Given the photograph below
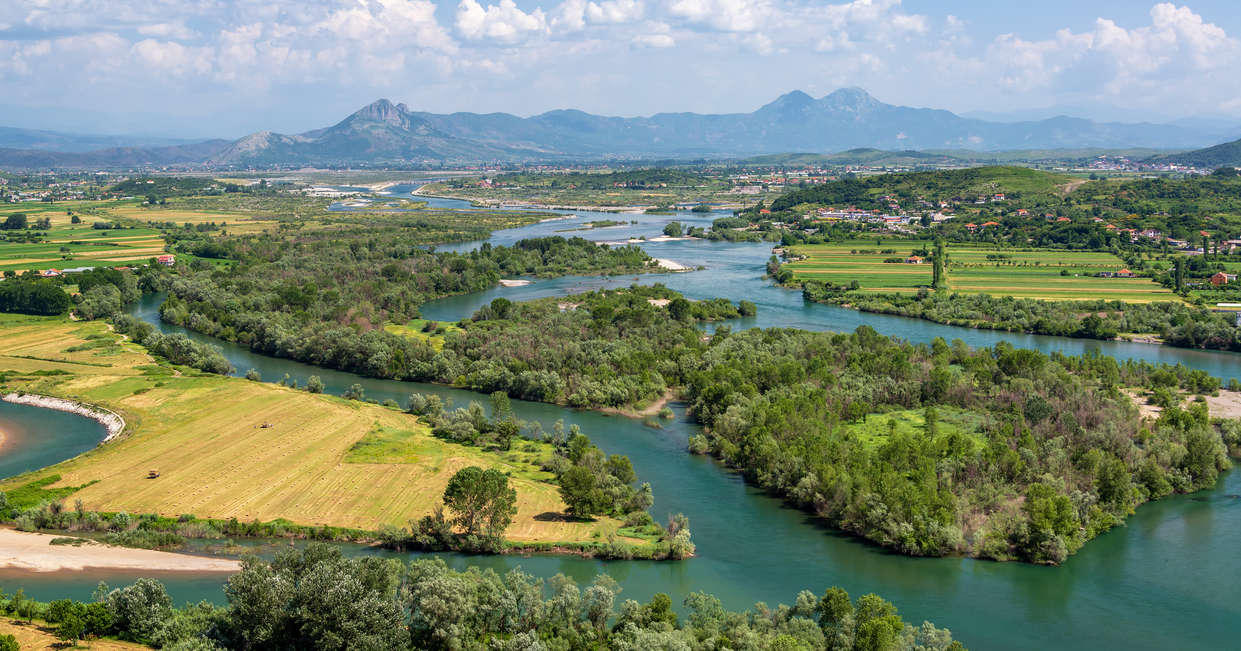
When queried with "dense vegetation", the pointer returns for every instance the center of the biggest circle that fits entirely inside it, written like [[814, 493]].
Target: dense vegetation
[[316, 599], [323, 296], [1004, 453], [1177, 324], [33, 296]]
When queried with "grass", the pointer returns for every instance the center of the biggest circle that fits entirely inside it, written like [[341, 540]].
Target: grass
[[1038, 274], [40, 636], [324, 460], [876, 429], [414, 330]]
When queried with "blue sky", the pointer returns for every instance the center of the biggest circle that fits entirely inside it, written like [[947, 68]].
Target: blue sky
[[219, 67]]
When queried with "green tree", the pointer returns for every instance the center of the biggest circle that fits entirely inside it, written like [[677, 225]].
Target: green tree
[[680, 309], [482, 500], [674, 229], [71, 628], [314, 384], [580, 490], [14, 222], [9, 643]]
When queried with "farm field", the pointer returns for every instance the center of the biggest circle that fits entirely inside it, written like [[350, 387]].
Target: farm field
[[80, 245], [1037, 274], [323, 460], [40, 636]]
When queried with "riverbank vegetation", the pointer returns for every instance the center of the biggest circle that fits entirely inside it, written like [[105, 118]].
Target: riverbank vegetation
[[661, 188], [317, 599], [327, 462], [941, 449]]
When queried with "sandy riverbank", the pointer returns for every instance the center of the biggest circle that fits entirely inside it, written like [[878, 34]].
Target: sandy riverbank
[[111, 421], [34, 551], [670, 265], [513, 283]]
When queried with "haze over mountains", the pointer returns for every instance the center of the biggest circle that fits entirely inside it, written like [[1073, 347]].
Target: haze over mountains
[[387, 133]]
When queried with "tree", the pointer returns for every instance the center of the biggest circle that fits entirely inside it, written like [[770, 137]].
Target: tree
[[674, 229], [140, 610], [14, 222], [71, 628], [580, 490], [746, 308], [680, 309], [9, 643], [482, 500], [314, 384], [937, 265], [1179, 273]]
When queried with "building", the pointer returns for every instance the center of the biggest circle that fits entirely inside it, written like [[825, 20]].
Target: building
[[166, 260], [1124, 273], [1222, 278], [913, 259]]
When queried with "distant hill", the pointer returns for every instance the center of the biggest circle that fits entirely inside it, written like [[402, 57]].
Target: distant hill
[[847, 120], [14, 138], [116, 157], [1225, 155]]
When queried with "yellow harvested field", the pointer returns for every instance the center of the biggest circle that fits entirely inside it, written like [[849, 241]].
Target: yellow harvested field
[[205, 436], [39, 636]]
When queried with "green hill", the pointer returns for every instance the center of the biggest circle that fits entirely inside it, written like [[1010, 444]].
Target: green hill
[[867, 193], [1225, 155]]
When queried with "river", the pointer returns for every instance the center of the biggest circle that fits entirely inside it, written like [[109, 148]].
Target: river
[[1168, 579]]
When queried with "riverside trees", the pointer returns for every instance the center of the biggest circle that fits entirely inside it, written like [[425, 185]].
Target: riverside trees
[[1004, 453], [317, 599]]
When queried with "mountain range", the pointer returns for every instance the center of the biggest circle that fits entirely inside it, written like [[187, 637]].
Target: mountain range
[[849, 118]]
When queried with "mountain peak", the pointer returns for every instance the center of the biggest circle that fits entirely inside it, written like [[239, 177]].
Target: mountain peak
[[789, 102], [381, 110], [851, 98]]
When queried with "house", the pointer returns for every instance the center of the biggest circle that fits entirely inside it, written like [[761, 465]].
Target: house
[[989, 224], [166, 260], [1222, 278], [1022, 212], [1124, 273], [49, 273], [914, 259], [1061, 220]]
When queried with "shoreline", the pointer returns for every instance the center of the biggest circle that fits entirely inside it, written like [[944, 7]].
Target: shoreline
[[112, 422], [34, 552]]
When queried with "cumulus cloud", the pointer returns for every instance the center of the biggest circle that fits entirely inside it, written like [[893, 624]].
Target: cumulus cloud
[[119, 50], [505, 22], [724, 15], [1177, 50], [615, 11]]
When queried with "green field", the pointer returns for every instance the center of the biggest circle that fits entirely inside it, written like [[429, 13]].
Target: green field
[[228, 447], [1040, 273]]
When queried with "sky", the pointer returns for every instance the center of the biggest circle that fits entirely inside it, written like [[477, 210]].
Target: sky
[[198, 68]]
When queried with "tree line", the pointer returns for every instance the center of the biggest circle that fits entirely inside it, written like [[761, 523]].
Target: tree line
[[316, 598]]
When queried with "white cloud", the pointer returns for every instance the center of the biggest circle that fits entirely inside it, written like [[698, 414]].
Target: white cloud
[[724, 15], [1177, 53], [654, 41], [489, 54], [505, 22], [615, 11]]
